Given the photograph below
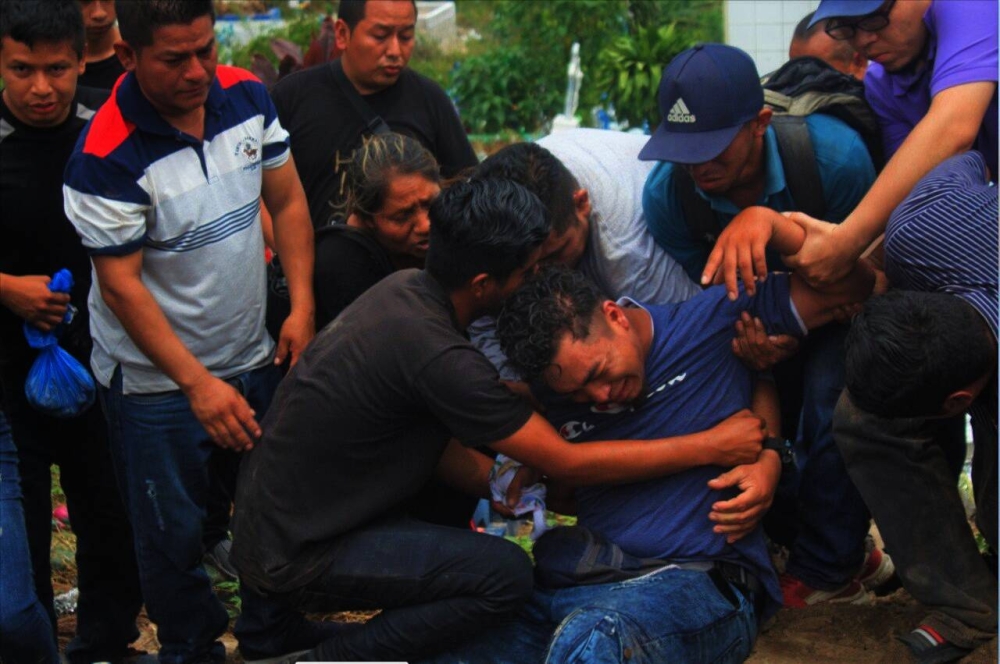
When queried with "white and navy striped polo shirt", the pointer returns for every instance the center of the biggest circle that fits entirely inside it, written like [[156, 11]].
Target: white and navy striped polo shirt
[[943, 237], [135, 183]]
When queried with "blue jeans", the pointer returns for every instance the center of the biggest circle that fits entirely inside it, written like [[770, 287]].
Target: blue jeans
[[162, 458], [25, 630], [820, 506], [669, 615], [110, 597]]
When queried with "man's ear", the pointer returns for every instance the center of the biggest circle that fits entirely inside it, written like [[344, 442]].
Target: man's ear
[[957, 403], [615, 315], [581, 204], [763, 121], [480, 286], [126, 55], [341, 34]]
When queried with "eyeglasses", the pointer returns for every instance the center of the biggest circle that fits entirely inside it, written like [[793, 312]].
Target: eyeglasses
[[845, 28]]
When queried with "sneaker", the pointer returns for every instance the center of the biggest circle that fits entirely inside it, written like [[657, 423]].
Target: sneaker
[[797, 595], [929, 647], [877, 568], [218, 557]]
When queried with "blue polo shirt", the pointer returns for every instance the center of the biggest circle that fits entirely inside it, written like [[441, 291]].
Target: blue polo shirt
[[135, 183], [845, 170], [693, 382]]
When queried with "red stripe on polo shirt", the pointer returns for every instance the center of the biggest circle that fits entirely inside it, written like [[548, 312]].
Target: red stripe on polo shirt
[[108, 129], [230, 76]]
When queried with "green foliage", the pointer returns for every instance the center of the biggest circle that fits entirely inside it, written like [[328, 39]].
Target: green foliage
[[504, 89], [624, 45], [430, 60], [300, 29], [629, 70]]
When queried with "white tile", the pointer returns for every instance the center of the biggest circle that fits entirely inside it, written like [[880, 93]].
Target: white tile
[[743, 36], [740, 12], [768, 11]]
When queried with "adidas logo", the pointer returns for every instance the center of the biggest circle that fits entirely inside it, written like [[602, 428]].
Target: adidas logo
[[680, 113]]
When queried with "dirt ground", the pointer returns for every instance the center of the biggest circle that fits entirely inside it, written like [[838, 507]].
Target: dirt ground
[[833, 634]]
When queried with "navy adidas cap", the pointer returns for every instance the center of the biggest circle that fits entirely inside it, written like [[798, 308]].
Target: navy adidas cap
[[707, 93], [835, 8]]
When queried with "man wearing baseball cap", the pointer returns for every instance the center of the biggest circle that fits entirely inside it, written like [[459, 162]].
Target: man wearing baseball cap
[[716, 139], [933, 85]]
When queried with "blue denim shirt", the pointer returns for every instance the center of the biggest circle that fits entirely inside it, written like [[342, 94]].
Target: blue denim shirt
[[845, 169]]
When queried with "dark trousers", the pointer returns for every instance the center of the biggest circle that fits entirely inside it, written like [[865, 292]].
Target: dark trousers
[[901, 466], [110, 597], [435, 585], [818, 513]]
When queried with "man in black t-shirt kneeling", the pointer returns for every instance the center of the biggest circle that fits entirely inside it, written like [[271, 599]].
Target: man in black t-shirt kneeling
[[391, 394]]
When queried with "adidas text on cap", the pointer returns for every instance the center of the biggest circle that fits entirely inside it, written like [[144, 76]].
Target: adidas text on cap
[[707, 93]]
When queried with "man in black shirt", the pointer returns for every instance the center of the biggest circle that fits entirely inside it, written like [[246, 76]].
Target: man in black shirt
[[392, 393], [103, 65], [41, 115], [320, 106]]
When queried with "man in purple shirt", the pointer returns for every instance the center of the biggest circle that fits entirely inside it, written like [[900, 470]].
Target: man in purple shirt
[[933, 84]]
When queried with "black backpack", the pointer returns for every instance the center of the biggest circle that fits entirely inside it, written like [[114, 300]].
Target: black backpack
[[798, 88]]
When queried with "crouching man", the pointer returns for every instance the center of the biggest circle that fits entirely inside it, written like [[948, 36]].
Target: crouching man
[[673, 568], [392, 393]]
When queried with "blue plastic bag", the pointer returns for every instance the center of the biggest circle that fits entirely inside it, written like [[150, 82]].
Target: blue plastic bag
[[57, 383]]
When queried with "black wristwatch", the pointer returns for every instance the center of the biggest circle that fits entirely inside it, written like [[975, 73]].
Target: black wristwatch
[[783, 447]]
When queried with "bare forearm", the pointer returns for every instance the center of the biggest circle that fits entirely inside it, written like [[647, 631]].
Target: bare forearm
[[293, 238], [766, 405], [949, 128], [149, 329], [735, 440], [465, 469]]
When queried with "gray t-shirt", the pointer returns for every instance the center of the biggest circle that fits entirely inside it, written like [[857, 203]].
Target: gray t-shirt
[[621, 257]]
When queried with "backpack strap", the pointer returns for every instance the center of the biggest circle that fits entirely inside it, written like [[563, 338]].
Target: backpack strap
[[799, 160], [374, 124], [698, 215]]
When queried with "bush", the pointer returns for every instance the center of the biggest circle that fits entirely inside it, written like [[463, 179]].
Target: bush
[[629, 70], [504, 89]]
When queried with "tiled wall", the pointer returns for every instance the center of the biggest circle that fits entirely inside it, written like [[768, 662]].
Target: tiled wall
[[763, 28]]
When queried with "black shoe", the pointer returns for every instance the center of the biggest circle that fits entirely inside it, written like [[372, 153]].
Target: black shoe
[[298, 640]]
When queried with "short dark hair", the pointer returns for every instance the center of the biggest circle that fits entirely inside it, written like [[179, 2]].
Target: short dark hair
[[550, 303], [483, 226], [47, 21], [907, 351], [534, 167], [137, 19], [352, 12], [380, 159]]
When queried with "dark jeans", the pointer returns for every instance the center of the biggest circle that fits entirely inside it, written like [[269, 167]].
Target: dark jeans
[[110, 597], [163, 456], [435, 585], [25, 629], [902, 469], [818, 512]]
